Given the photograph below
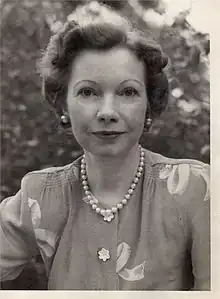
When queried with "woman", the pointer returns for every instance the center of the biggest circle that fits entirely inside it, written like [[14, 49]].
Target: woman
[[120, 217]]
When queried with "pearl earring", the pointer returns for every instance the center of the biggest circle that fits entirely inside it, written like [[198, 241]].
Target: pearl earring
[[64, 119], [148, 122]]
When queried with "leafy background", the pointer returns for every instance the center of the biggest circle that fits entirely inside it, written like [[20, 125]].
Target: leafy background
[[30, 135]]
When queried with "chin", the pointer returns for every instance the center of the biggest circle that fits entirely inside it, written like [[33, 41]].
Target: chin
[[104, 151], [111, 150]]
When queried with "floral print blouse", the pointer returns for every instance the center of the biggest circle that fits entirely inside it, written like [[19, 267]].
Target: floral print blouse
[[159, 241]]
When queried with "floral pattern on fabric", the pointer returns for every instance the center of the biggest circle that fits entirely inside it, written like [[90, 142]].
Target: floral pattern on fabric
[[46, 241], [123, 254], [35, 212], [177, 177], [137, 273], [203, 171], [165, 171]]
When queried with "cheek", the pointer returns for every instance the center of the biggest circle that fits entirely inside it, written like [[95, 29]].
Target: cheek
[[75, 114], [80, 115], [137, 116]]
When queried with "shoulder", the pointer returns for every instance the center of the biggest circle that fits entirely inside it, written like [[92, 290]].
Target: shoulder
[[186, 178], [51, 176]]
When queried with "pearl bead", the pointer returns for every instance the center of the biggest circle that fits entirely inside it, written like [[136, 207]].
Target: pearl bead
[[142, 159], [84, 183], [95, 200], [87, 193], [114, 209], [138, 174], [98, 210], [142, 153], [83, 171], [136, 180], [141, 164], [108, 211], [86, 188], [124, 201], [130, 191], [119, 206], [102, 211], [140, 169], [94, 206], [127, 196], [91, 202], [84, 177], [83, 166], [133, 186]]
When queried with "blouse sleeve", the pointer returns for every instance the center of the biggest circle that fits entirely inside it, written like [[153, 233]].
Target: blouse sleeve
[[18, 245], [199, 211]]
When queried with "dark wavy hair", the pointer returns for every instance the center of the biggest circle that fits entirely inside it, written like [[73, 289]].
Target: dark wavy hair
[[101, 32]]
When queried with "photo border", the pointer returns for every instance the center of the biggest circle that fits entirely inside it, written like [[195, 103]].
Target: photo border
[[213, 22]]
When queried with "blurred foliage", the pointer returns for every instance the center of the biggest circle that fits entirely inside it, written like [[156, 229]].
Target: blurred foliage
[[30, 135]]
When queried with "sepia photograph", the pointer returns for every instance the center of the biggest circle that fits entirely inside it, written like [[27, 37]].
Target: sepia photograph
[[105, 146]]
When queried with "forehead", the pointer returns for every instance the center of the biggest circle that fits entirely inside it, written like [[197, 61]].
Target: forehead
[[114, 64]]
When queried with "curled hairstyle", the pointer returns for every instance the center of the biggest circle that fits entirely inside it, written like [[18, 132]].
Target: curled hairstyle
[[102, 31]]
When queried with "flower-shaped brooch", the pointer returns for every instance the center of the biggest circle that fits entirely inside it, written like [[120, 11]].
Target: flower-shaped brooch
[[108, 215], [104, 254]]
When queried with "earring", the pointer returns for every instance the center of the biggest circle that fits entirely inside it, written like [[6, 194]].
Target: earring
[[64, 119], [148, 122]]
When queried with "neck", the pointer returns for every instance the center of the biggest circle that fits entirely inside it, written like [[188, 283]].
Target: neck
[[110, 177]]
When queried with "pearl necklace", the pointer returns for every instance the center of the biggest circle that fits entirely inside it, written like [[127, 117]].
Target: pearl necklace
[[108, 214]]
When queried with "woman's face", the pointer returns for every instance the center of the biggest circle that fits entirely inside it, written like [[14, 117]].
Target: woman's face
[[107, 101]]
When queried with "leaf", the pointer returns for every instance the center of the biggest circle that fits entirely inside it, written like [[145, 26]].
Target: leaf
[[46, 241], [123, 254], [203, 171], [137, 273], [178, 179], [35, 212], [165, 172]]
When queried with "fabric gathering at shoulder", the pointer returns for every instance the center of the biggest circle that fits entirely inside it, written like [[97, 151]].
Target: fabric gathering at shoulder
[[51, 176]]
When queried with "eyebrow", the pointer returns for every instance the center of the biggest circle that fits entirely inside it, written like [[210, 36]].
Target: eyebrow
[[137, 81], [93, 82], [82, 81]]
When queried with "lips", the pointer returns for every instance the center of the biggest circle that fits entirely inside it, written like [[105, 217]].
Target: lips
[[107, 134]]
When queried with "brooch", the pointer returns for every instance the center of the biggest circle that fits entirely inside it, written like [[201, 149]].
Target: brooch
[[104, 254], [107, 215]]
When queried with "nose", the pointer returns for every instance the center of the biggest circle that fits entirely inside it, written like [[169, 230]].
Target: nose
[[107, 112]]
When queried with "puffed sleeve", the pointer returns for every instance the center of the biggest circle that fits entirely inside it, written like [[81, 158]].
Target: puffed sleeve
[[199, 211], [17, 241]]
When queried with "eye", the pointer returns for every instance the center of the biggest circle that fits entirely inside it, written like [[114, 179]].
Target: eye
[[129, 92], [87, 92]]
